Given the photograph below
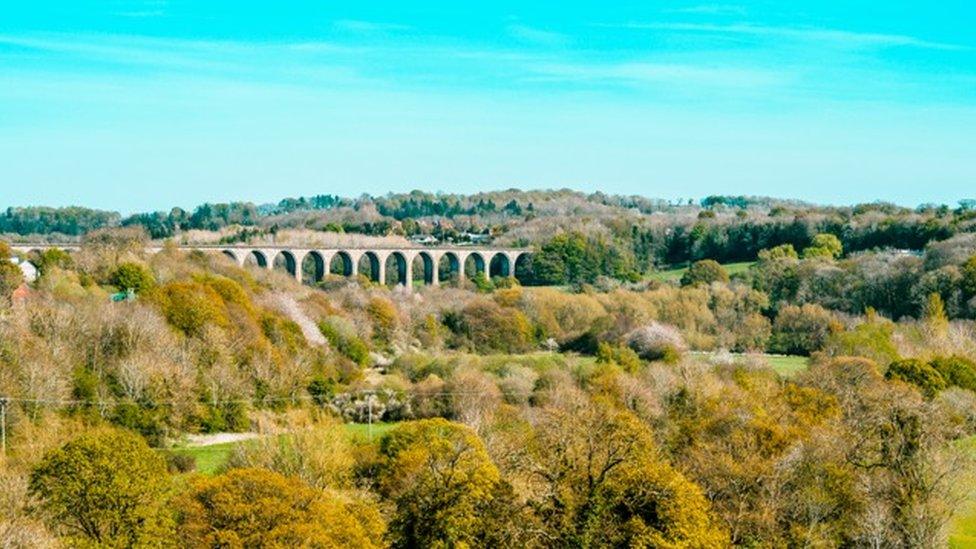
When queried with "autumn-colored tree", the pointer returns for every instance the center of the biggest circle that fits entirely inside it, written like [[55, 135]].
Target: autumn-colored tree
[[260, 508], [605, 484], [190, 306], [444, 485], [106, 488]]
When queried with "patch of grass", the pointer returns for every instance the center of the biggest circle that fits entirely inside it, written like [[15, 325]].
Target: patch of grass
[[787, 365], [209, 459], [674, 275], [962, 528], [784, 365], [361, 431]]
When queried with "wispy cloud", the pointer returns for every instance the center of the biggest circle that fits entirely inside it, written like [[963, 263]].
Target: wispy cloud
[[661, 73], [710, 9], [144, 9], [356, 25], [836, 37], [533, 35]]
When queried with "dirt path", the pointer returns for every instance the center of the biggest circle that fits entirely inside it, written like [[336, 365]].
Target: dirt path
[[218, 438]]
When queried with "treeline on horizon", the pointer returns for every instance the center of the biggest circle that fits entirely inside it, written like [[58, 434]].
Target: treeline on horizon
[[891, 258]]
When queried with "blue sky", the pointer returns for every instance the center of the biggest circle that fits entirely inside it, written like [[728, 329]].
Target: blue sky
[[139, 105]]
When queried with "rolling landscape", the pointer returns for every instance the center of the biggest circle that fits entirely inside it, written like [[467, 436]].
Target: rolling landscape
[[670, 274]]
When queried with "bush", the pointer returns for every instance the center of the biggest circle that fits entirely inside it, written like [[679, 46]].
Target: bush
[[705, 272], [345, 342], [928, 380], [956, 370], [180, 462], [106, 488], [657, 341]]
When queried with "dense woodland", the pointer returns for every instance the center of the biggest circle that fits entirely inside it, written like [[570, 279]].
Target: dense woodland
[[583, 403]]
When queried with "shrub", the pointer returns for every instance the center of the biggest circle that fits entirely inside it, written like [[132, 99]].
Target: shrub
[[928, 380], [705, 272], [107, 488], [956, 370], [180, 462], [623, 356], [657, 341], [344, 341]]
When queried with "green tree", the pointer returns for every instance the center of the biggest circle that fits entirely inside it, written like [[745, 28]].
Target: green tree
[[783, 251], [133, 276], [824, 245], [705, 272], [106, 487], [260, 508], [969, 277], [442, 480]]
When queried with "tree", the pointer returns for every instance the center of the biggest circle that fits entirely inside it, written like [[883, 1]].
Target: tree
[[10, 275], [260, 508], [133, 276], [106, 487], [605, 486], [442, 480], [190, 306], [801, 330], [969, 277], [783, 251], [824, 245], [705, 272], [935, 315]]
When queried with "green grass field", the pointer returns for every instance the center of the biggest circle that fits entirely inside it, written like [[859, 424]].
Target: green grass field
[[962, 529], [210, 459], [674, 275], [787, 365]]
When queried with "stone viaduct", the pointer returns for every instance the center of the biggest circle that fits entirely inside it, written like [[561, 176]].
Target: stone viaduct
[[388, 265]]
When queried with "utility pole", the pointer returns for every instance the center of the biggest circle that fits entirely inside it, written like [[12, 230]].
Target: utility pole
[[3, 425], [369, 406]]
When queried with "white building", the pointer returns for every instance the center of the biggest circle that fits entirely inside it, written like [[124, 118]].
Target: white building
[[27, 268]]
